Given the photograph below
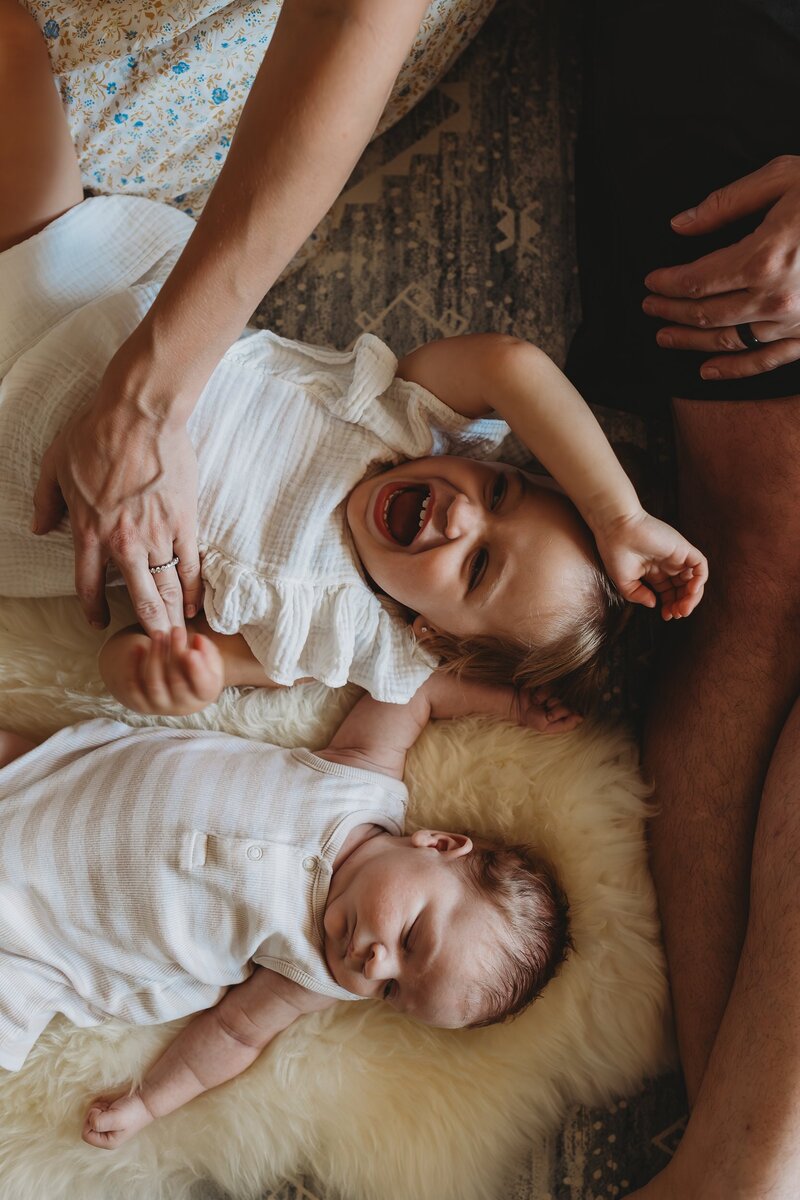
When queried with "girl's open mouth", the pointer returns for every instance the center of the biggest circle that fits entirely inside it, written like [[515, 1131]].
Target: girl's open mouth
[[402, 510]]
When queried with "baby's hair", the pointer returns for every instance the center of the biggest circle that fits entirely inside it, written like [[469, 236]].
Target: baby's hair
[[522, 888], [573, 658]]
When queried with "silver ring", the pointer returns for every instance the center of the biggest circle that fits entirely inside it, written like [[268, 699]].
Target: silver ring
[[173, 562], [745, 332]]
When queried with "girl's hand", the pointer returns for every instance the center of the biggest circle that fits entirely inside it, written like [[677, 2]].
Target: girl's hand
[[111, 1121], [127, 477], [173, 675], [541, 711], [650, 562]]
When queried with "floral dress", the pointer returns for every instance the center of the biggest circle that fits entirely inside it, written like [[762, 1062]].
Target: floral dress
[[153, 91]]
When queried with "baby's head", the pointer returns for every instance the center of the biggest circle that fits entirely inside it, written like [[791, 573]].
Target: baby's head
[[454, 930], [499, 574]]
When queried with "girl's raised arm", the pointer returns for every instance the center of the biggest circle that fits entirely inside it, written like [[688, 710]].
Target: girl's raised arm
[[649, 561]]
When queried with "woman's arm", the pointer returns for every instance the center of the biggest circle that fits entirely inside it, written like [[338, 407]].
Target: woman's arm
[[316, 100], [481, 373], [215, 1046]]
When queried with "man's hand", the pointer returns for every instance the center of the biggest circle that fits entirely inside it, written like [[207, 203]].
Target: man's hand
[[111, 1121], [129, 484], [166, 675], [755, 281], [651, 563]]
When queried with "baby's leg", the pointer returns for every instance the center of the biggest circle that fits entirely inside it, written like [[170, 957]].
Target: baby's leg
[[12, 746], [39, 175]]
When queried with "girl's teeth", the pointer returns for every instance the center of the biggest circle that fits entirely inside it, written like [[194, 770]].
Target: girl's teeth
[[423, 510]]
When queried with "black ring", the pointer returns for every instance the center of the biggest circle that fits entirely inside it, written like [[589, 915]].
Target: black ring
[[745, 332]]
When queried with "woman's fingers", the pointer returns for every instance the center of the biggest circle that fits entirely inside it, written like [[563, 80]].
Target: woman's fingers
[[90, 580], [191, 581]]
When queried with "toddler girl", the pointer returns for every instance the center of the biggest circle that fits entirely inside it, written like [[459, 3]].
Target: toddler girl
[[310, 514], [192, 862]]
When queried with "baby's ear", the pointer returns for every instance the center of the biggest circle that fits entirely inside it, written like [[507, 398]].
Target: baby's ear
[[453, 845]]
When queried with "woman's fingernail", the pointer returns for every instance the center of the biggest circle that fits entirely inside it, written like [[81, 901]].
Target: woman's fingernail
[[190, 610], [684, 218], [663, 338], [34, 526], [709, 372], [95, 624]]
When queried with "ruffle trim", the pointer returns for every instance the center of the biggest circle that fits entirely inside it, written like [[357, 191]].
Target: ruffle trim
[[335, 633]]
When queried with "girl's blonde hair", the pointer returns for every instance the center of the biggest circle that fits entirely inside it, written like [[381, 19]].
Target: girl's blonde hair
[[574, 658]]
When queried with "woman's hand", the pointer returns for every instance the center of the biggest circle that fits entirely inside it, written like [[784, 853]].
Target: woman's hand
[[755, 281], [110, 1121], [651, 563], [129, 483], [168, 675]]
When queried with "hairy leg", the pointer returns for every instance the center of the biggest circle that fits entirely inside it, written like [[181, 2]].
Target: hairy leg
[[729, 679], [741, 1142], [12, 746]]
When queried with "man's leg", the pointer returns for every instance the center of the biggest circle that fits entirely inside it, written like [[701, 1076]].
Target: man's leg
[[742, 1139], [718, 705]]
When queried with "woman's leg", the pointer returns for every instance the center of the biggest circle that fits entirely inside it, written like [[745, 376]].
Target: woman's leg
[[39, 176]]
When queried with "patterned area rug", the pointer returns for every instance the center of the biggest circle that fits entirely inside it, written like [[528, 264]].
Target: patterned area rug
[[460, 219]]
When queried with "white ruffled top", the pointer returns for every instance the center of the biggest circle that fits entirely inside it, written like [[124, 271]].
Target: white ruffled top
[[283, 432]]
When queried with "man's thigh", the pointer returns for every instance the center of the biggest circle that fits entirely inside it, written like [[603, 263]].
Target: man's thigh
[[739, 496]]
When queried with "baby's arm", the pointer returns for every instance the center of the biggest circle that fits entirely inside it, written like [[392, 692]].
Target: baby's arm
[[215, 1046], [179, 673], [481, 373], [377, 736]]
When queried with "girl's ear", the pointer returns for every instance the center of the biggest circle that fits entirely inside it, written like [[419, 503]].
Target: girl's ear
[[422, 628], [453, 845]]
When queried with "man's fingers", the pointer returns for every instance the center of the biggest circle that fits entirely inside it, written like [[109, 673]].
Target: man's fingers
[[755, 362], [189, 576], [683, 337], [738, 199], [711, 312], [721, 271], [90, 582]]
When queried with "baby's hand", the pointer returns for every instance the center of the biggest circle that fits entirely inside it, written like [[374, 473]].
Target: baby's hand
[[644, 556], [545, 713], [110, 1121], [174, 675]]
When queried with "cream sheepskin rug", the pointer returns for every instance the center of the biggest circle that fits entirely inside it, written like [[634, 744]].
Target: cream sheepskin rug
[[374, 1105]]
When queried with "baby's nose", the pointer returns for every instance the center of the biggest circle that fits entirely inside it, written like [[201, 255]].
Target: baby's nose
[[462, 517], [377, 964]]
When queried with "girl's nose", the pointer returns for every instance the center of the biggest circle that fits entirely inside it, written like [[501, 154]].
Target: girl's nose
[[378, 964], [462, 517]]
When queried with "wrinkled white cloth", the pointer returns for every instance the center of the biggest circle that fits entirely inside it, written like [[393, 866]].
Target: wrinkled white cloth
[[283, 432], [143, 871]]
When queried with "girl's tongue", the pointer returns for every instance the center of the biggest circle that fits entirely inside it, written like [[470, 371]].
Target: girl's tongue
[[406, 513]]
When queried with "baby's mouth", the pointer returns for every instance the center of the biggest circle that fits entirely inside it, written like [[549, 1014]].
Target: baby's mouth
[[402, 511]]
